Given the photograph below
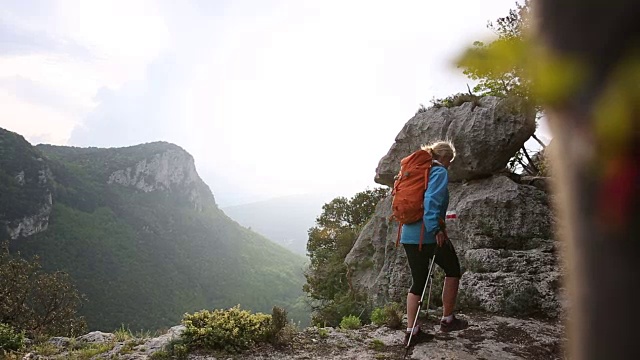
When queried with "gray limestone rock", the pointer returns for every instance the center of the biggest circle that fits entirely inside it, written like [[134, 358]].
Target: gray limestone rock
[[503, 236], [485, 137], [96, 337]]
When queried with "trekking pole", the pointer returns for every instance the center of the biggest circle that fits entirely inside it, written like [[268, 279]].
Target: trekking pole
[[430, 281]]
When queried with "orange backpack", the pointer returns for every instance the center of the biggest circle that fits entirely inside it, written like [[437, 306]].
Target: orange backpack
[[408, 190]]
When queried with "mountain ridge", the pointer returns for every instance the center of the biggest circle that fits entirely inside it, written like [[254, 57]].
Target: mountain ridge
[[140, 233]]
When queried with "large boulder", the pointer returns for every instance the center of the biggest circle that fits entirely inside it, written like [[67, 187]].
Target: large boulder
[[503, 235], [486, 135], [498, 213], [379, 268]]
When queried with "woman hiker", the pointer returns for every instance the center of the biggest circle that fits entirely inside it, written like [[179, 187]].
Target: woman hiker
[[436, 201]]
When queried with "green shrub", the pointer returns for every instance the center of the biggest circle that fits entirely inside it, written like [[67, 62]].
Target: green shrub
[[378, 317], [175, 349], [282, 331], [457, 100], [323, 333], [332, 312], [10, 340], [278, 322], [231, 330], [389, 315], [393, 315], [350, 322]]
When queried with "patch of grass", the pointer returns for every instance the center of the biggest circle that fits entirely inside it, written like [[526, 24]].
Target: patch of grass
[[46, 349], [323, 333], [89, 351], [455, 100], [421, 109], [377, 345], [160, 355], [127, 348], [147, 334], [350, 322], [122, 334]]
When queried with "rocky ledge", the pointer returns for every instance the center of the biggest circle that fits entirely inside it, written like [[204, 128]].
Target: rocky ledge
[[488, 337]]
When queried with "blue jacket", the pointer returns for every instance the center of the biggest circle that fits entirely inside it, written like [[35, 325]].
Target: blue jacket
[[436, 202]]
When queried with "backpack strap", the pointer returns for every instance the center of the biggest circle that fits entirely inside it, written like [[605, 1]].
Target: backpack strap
[[426, 184]]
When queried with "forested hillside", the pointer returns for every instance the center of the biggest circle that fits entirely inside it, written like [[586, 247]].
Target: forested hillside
[[140, 234]]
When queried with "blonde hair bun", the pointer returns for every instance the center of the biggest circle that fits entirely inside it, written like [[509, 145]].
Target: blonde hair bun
[[441, 150]]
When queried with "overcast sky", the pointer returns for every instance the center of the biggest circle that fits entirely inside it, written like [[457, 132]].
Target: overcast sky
[[270, 97]]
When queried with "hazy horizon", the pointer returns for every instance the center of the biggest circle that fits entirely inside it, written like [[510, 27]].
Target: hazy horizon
[[267, 97]]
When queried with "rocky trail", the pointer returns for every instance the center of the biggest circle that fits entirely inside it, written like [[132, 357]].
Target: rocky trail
[[488, 337]]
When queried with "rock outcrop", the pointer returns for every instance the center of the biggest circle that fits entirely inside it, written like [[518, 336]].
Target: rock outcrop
[[26, 186], [503, 233], [503, 236], [107, 346], [32, 224], [160, 172], [379, 268], [485, 136], [172, 170]]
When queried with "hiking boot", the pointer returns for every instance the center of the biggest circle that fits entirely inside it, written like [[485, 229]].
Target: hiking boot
[[455, 325], [417, 337]]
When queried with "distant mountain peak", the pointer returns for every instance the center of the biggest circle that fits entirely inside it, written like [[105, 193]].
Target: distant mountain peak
[[150, 167]]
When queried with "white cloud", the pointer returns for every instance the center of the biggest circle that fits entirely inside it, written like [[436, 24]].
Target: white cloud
[[270, 97], [39, 123], [118, 40]]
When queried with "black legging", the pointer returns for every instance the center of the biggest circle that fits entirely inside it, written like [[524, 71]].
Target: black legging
[[446, 258]]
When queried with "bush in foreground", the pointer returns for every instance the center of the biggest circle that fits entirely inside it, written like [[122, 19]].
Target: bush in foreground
[[350, 322], [10, 340]]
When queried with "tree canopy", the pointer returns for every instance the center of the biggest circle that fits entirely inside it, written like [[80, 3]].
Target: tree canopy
[[330, 240]]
